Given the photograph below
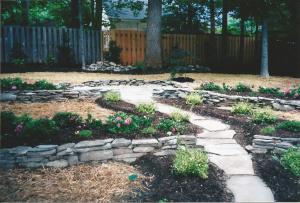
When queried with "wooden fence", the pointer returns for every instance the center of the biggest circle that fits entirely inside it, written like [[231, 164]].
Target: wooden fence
[[40, 43], [133, 44]]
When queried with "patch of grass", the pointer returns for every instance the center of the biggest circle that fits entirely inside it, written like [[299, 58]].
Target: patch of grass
[[263, 116], [240, 87], [193, 99], [242, 108], [179, 117], [290, 160], [146, 109], [86, 134], [210, 86], [112, 96], [191, 162], [293, 126], [268, 130]]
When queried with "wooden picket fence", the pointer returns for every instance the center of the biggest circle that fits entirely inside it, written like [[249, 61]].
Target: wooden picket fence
[[133, 44], [40, 43]]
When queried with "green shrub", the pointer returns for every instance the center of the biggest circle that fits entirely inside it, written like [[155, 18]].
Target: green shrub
[[67, 119], [293, 126], [146, 109], [263, 116], [43, 128], [210, 86], [191, 162], [140, 65], [93, 123], [179, 117], [112, 96], [23, 119], [170, 125], [226, 88], [12, 83], [268, 130], [85, 133], [149, 131], [271, 91], [242, 108], [44, 85], [114, 52], [290, 160], [8, 122], [193, 99], [240, 87]]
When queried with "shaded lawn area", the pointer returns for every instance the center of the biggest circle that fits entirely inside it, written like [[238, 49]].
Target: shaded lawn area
[[230, 79]]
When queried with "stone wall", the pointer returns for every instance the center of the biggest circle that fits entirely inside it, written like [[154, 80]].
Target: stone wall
[[69, 154], [263, 144]]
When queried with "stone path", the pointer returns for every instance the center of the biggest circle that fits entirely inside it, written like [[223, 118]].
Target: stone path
[[217, 140]]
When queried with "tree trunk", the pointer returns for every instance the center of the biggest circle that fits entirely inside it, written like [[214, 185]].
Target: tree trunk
[[153, 58], [81, 36], [98, 24], [298, 39], [242, 40], [256, 46], [224, 29], [93, 13], [74, 12], [264, 68], [212, 48], [26, 12]]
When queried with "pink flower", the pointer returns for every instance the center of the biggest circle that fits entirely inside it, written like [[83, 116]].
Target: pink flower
[[173, 129], [19, 129], [128, 121], [118, 118], [119, 125], [13, 87]]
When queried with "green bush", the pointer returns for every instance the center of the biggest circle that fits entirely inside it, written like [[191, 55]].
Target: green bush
[[268, 130], [112, 96], [44, 85], [146, 109], [42, 128], [271, 91], [193, 99], [226, 88], [12, 83], [290, 160], [93, 123], [67, 119], [149, 131], [170, 125], [242, 108], [179, 117], [114, 52], [140, 65], [210, 86], [8, 122], [293, 126], [240, 87], [263, 116], [23, 119], [191, 162], [85, 133]]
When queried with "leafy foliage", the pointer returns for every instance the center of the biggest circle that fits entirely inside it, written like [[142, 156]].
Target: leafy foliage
[[242, 108], [93, 123], [191, 162], [67, 119], [169, 125], [210, 86], [8, 121], [240, 87], [114, 53], [193, 99], [269, 130], [293, 126], [12, 83], [86, 134], [149, 131], [146, 109], [40, 128], [112, 96], [291, 161], [44, 85], [271, 91], [179, 117], [263, 116]]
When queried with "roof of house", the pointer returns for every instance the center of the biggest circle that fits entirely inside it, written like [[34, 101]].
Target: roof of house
[[124, 13]]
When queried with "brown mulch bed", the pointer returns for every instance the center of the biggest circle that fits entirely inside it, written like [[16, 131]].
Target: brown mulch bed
[[106, 182], [166, 186]]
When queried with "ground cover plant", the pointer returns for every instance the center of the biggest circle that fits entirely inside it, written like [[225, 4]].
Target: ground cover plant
[[193, 99], [19, 84], [290, 160], [112, 96], [293, 126], [242, 108], [146, 109]]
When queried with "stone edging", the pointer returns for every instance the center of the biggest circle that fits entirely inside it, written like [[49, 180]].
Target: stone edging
[[69, 154]]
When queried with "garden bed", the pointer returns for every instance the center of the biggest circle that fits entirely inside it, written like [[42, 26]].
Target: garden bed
[[166, 186]]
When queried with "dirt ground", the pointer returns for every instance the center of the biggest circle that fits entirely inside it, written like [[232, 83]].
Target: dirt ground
[[105, 182], [231, 79], [37, 110]]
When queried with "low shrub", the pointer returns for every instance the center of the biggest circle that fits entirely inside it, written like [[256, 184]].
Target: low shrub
[[149, 131], [210, 86], [293, 126], [193, 99], [44, 85], [242, 108], [226, 88], [191, 162], [8, 122], [146, 109], [263, 116], [86, 134], [271, 91], [40, 128], [240, 87], [67, 119], [12, 84], [290, 160], [170, 125], [112, 96], [179, 117], [268, 130], [93, 123]]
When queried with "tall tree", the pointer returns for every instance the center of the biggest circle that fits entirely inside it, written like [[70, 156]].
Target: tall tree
[[153, 58], [81, 36], [264, 68], [298, 38], [224, 28], [75, 13]]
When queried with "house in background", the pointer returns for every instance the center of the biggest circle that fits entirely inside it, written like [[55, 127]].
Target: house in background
[[126, 19]]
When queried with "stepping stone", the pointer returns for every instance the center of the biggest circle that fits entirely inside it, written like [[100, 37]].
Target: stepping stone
[[211, 125], [205, 141], [225, 149], [233, 165], [246, 188], [226, 134]]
